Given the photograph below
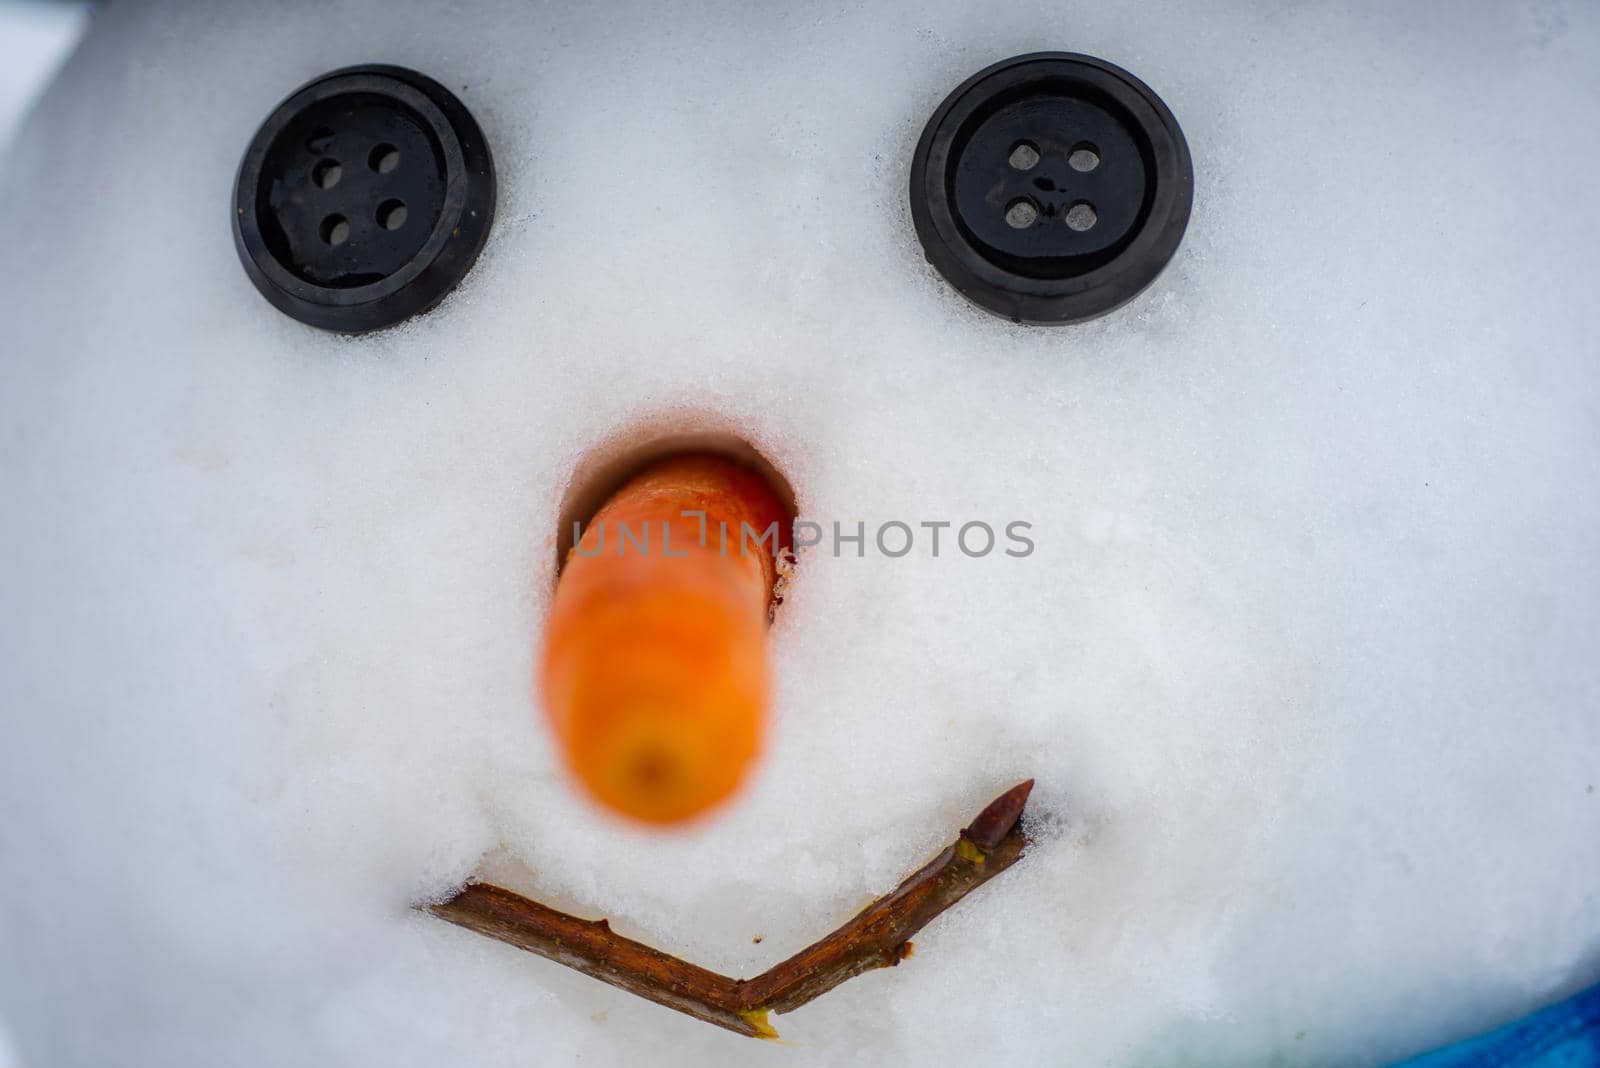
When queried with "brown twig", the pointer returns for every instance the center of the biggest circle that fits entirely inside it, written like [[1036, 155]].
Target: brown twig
[[877, 937]]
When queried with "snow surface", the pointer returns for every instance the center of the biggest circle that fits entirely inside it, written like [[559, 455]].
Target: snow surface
[[34, 38], [1304, 663]]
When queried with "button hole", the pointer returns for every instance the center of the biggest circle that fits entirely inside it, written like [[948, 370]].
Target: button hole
[[1083, 157], [1024, 155], [392, 214], [326, 173], [335, 230], [384, 158], [1021, 213]]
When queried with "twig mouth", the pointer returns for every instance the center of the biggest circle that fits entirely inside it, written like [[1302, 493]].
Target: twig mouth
[[877, 937]]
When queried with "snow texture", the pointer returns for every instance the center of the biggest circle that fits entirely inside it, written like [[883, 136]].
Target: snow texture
[[1305, 662], [34, 38]]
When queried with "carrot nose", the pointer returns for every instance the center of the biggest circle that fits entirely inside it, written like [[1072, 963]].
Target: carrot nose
[[654, 669]]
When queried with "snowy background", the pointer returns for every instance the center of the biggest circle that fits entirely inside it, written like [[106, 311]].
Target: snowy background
[[34, 38], [1305, 663]]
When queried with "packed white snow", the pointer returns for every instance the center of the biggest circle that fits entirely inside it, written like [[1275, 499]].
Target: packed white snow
[[1305, 661], [34, 38]]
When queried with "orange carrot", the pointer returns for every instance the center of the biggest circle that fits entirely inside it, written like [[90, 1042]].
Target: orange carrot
[[655, 666]]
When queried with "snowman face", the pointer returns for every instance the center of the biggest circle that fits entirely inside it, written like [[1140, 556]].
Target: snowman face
[[1302, 660]]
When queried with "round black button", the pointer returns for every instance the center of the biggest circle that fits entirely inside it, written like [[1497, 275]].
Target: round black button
[[363, 199], [1051, 187]]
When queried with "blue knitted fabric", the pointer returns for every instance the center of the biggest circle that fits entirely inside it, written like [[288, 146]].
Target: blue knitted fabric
[[1566, 1035]]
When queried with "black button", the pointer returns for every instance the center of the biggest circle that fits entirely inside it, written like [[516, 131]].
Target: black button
[[1051, 187], [363, 199]]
